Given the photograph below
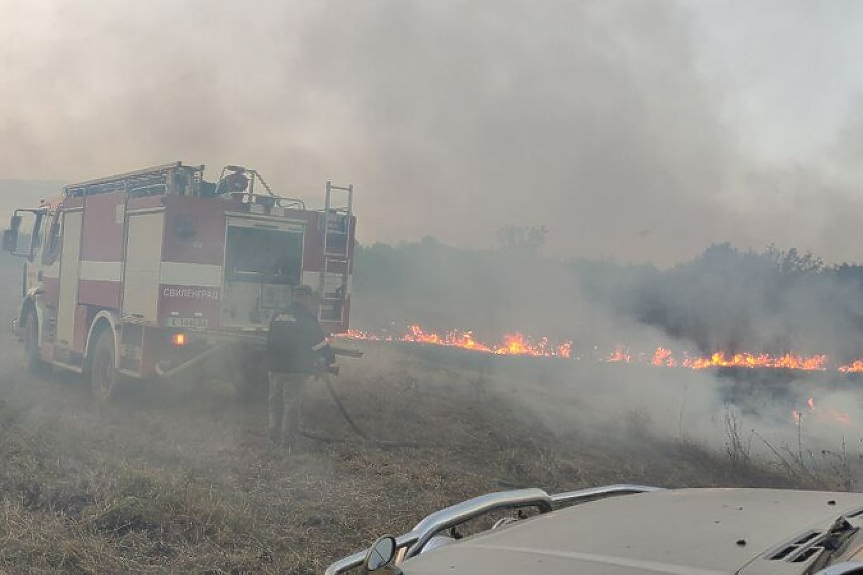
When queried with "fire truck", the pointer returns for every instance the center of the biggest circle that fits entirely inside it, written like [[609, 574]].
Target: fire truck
[[148, 273]]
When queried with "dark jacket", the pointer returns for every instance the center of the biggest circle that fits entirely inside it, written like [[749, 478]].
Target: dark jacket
[[296, 343]]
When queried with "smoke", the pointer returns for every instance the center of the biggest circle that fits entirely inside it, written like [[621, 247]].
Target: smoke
[[725, 300], [605, 121]]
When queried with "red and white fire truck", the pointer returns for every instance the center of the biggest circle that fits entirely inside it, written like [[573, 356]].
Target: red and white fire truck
[[148, 273]]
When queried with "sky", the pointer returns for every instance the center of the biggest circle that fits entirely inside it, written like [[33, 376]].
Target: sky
[[792, 70], [636, 130]]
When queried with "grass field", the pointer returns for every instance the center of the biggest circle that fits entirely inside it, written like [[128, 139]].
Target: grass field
[[182, 479], [179, 476]]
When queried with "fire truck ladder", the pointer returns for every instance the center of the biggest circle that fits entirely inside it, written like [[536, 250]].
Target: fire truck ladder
[[335, 267], [157, 180]]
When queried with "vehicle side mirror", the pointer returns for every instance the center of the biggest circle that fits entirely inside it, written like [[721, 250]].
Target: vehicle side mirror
[[10, 236], [381, 554], [10, 240]]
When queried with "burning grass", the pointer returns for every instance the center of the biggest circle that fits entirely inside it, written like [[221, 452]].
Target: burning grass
[[514, 343], [518, 344]]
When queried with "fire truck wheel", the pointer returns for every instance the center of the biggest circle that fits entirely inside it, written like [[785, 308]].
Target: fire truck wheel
[[31, 346], [104, 379]]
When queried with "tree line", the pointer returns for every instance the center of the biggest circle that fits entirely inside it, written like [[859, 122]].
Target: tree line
[[775, 300]]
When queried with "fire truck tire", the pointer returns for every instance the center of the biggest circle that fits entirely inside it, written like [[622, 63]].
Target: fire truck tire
[[105, 381], [33, 360]]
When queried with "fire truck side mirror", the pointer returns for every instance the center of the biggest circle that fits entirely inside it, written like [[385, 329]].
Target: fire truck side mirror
[[10, 236]]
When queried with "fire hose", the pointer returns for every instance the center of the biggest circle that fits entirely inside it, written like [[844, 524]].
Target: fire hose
[[326, 377], [325, 374]]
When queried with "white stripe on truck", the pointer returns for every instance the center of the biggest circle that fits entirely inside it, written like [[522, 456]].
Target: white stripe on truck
[[181, 274], [311, 279], [100, 271]]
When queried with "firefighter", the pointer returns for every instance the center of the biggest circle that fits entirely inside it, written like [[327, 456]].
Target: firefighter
[[297, 348]]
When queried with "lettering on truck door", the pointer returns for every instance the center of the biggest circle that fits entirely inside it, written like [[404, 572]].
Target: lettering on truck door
[[69, 269]]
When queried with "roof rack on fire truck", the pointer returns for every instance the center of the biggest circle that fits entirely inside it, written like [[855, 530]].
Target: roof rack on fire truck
[[180, 179], [168, 178], [250, 177]]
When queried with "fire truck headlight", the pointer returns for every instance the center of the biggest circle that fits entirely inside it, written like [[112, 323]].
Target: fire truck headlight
[[178, 339]]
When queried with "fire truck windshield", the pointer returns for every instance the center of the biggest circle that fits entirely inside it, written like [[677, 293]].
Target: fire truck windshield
[[264, 255]]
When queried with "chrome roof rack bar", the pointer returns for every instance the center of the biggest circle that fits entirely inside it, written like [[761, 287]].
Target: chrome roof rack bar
[[476, 507], [591, 493], [462, 512]]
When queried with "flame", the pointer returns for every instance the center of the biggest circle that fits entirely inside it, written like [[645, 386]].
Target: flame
[[749, 360], [662, 357], [839, 417], [619, 354], [855, 367], [517, 343], [796, 416], [564, 349], [514, 343], [357, 334], [825, 414]]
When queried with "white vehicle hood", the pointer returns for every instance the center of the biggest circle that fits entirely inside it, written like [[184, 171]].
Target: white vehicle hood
[[692, 531]]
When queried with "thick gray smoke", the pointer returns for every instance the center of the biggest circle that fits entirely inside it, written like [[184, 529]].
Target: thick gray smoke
[[602, 120]]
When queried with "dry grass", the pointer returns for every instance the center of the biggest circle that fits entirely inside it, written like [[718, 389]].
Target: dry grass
[[181, 479]]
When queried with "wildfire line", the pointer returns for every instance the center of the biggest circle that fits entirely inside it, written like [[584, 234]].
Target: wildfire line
[[518, 344]]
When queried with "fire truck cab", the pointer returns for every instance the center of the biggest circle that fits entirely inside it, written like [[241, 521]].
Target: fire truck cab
[[147, 273]]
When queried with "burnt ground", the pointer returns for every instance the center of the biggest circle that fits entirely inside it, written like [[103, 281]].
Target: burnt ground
[[179, 476]]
